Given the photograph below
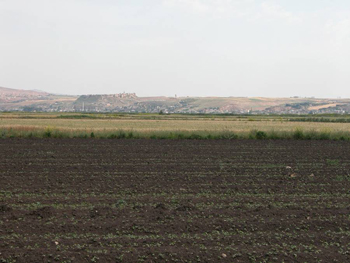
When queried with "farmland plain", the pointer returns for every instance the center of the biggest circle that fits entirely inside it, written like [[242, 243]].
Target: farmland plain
[[78, 200], [147, 125]]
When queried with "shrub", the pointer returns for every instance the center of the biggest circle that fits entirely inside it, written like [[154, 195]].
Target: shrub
[[324, 136], [3, 134], [83, 135], [47, 134], [311, 135], [260, 135], [112, 136], [298, 134], [273, 135], [180, 136], [195, 136], [121, 135]]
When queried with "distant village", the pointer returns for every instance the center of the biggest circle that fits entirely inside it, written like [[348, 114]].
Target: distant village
[[131, 103]]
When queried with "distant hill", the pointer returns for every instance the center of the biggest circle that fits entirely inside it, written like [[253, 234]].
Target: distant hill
[[32, 100], [9, 95], [207, 105]]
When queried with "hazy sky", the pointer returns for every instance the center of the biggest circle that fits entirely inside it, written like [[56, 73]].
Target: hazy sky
[[277, 48]]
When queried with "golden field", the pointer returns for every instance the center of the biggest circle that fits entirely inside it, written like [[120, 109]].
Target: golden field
[[146, 125]]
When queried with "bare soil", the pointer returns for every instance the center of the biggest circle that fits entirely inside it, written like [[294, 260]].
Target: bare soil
[[86, 200]]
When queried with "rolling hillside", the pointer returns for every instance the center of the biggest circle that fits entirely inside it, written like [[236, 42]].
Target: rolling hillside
[[32, 100], [27, 100]]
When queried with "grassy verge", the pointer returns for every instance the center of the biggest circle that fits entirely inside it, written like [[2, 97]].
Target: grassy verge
[[48, 132]]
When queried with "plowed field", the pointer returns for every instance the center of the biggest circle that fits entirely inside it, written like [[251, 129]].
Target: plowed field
[[86, 200]]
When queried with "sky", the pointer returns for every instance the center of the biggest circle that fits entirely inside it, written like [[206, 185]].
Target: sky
[[269, 48]]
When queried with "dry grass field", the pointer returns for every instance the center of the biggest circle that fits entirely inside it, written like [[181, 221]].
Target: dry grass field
[[166, 125], [144, 125]]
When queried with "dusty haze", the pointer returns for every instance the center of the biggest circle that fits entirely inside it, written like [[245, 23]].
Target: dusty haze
[[186, 47]]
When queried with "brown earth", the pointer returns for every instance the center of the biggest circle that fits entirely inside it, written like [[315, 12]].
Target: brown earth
[[76, 200]]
